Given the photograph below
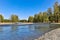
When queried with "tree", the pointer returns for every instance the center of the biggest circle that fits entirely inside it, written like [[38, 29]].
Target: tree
[[30, 19], [35, 18], [14, 18], [45, 17], [59, 8], [40, 17], [49, 11], [1, 18], [50, 15], [23, 20], [7, 20], [56, 12]]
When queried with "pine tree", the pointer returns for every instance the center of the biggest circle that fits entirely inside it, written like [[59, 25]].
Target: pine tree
[[50, 15], [56, 12]]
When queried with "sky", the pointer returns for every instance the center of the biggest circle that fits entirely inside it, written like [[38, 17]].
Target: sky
[[24, 8]]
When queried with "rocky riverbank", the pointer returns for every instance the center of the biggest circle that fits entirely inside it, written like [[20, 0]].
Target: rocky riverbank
[[52, 35]]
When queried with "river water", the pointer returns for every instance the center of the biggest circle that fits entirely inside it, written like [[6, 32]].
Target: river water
[[25, 32]]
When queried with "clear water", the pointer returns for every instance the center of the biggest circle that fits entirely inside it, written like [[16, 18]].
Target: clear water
[[26, 32]]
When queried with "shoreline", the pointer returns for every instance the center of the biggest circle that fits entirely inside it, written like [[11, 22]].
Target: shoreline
[[3, 24], [16, 23], [52, 24], [51, 35], [22, 24]]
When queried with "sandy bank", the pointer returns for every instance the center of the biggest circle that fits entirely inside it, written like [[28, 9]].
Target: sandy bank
[[52, 35], [14, 24], [55, 23]]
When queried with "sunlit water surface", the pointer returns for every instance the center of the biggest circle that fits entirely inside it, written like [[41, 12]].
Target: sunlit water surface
[[26, 32]]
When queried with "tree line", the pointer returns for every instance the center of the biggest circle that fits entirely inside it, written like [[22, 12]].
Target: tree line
[[48, 16]]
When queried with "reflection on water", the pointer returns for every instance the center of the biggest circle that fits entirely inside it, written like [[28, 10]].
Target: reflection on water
[[14, 28], [0, 29], [27, 32]]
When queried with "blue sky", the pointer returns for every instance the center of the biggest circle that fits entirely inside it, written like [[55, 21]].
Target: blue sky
[[24, 8]]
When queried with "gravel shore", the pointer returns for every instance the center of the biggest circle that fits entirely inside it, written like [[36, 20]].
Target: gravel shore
[[52, 35]]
